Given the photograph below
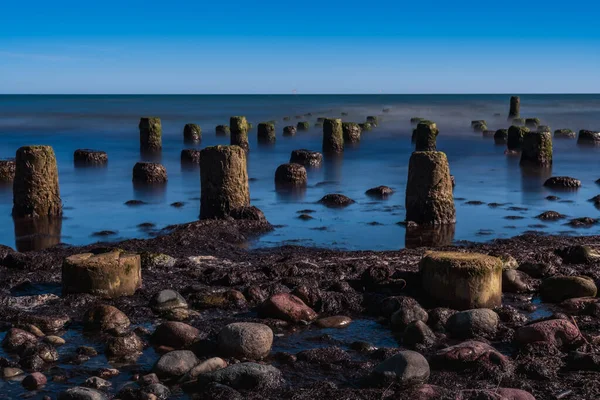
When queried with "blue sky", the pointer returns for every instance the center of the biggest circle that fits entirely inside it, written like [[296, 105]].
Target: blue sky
[[310, 46]]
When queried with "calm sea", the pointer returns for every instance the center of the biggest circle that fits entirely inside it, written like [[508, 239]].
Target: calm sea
[[94, 198]]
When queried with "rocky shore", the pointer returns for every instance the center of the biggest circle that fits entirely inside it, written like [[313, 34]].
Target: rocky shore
[[215, 320]]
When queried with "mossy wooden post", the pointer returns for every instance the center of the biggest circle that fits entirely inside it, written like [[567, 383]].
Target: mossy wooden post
[[192, 133], [266, 132], [333, 136], [515, 108], [515, 137], [429, 198], [35, 187], [150, 134], [239, 132], [108, 275], [351, 132], [462, 281], [426, 136], [223, 180], [537, 149]]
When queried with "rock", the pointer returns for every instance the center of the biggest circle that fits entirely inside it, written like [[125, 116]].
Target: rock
[[333, 136], [515, 137], [418, 334], [365, 127], [224, 181], [246, 340], [544, 128], [192, 133], [176, 335], [479, 126], [105, 318], [34, 381], [249, 213], [501, 136], [88, 157], [54, 340], [287, 307], [550, 216], [558, 288], [190, 157], [82, 393], [247, 376], [123, 346], [108, 275], [470, 355], [7, 170], [351, 132], [337, 321], [156, 260], [175, 364], [239, 132], [429, 198], [266, 132], [10, 373], [306, 158], [537, 149], [562, 182], [438, 318], [532, 122], [471, 323], [514, 281], [210, 365], [462, 280], [514, 394], [148, 172], [157, 390], [303, 126], [150, 134], [289, 131], [35, 188], [336, 200], [582, 222], [558, 332], [564, 134], [381, 192], [515, 107], [167, 300], [537, 270], [409, 310], [578, 254], [372, 120], [426, 136], [96, 382], [588, 138], [290, 175], [406, 368], [518, 121], [222, 130], [16, 339]]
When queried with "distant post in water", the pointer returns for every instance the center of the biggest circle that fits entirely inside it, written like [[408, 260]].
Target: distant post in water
[[239, 132], [426, 136], [150, 134], [266, 132], [537, 149], [333, 136], [515, 108], [429, 198], [223, 181], [35, 187]]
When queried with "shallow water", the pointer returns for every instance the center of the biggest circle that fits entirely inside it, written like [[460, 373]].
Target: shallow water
[[94, 198]]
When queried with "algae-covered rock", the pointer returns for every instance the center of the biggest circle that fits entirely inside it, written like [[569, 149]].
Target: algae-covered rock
[[351, 132], [7, 170], [515, 107], [290, 175], [515, 137], [578, 254], [532, 122], [333, 136], [306, 158], [266, 132], [429, 198], [588, 137], [564, 134], [559, 288], [289, 130], [478, 122], [148, 172], [150, 134], [426, 136], [108, 275], [336, 200], [462, 281], [192, 133], [366, 126], [479, 126], [223, 181], [303, 126], [35, 187], [222, 130], [372, 120], [562, 182], [501, 136], [544, 128], [88, 157], [537, 149], [239, 132]]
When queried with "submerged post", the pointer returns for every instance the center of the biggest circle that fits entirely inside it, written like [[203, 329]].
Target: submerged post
[[239, 132], [426, 136], [223, 181], [537, 149], [333, 136], [35, 187], [150, 134], [515, 108]]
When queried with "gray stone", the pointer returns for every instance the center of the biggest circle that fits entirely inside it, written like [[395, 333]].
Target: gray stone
[[167, 300], [81, 393], [471, 323], [407, 368], [246, 340], [247, 376], [175, 364], [409, 310]]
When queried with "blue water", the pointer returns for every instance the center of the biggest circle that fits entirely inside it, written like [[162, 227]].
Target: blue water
[[94, 198]]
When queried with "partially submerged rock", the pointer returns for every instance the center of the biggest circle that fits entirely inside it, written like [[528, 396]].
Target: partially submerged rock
[[381, 192], [148, 172], [532, 122], [588, 138], [88, 157], [192, 133], [303, 126], [559, 288], [562, 182], [289, 130], [287, 307], [351, 132], [105, 317], [266, 132], [306, 158], [501, 136], [222, 130], [336, 200], [290, 175], [7, 170], [564, 134], [515, 107]]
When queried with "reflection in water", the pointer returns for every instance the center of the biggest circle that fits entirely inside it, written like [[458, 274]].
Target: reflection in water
[[332, 167], [150, 192], [290, 194], [37, 233], [533, 178], [431, 236]]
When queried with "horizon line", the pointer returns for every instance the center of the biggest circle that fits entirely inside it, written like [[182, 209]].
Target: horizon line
[[297, 94]]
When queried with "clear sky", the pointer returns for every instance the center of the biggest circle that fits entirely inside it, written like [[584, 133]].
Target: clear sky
[[267, 46]]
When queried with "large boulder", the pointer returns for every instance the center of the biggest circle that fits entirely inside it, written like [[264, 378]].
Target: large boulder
[[17, 339], [104, 317], [406, 368], [176, 335], [290, 175], [287, 307], [558, 332], [108, 275], [537, 149], [462, 281], [559, 288], [471, 323], [246, 340]]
